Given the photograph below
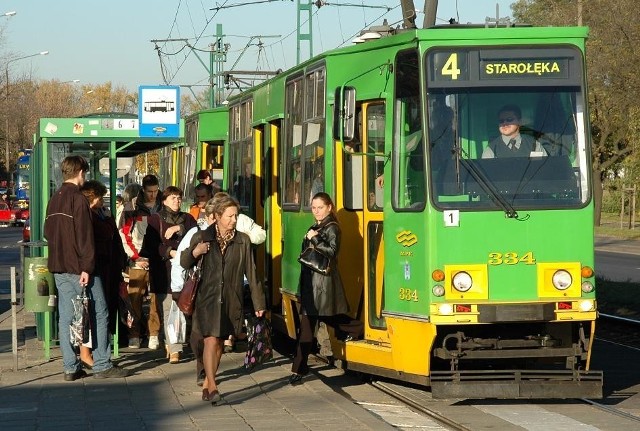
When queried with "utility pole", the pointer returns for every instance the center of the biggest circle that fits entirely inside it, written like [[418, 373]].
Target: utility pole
[[304, 8], [218, 58]]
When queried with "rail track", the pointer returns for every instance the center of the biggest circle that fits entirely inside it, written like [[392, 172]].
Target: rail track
[[612, 329], [417, 404]]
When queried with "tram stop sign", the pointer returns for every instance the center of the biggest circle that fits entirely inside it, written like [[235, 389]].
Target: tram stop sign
[[159, 111]]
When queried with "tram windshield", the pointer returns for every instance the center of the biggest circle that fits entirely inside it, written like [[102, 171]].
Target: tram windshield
[[508, 147]]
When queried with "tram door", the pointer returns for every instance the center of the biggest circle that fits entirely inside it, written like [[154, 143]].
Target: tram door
[[372, 129]]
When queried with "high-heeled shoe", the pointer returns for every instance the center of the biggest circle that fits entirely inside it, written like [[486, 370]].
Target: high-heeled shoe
[[205, 394], [86, 365], [213, 397]]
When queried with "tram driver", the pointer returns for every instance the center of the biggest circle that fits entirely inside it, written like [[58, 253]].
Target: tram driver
[[511, 143]]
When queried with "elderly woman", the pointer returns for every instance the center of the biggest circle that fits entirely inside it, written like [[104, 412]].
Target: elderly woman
[[226, 260]]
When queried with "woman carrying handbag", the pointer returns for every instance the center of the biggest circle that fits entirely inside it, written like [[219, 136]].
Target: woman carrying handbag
[[322, 296], [226, 260]]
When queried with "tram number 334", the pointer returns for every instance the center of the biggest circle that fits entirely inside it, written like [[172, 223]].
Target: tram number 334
[[408, 294], [511, 258]]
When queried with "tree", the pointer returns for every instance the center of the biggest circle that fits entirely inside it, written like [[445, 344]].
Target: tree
[[612, 64]]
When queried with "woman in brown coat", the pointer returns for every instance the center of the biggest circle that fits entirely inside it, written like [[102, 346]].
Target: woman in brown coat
[[227, 259]]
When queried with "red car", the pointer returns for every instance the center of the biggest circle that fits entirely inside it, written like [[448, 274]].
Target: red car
[[26, 231], [13, 216], [7, 215], [22, 215]]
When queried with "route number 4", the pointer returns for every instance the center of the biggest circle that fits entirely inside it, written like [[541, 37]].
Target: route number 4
[[450, 68]]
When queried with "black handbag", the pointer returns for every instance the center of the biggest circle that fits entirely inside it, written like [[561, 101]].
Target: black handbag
[[314, 259]]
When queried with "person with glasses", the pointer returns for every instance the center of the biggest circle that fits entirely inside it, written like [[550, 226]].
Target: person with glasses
[[511, 143], [164, 233]]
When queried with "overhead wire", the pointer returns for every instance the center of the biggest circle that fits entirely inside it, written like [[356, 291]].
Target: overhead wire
[[263, 48]]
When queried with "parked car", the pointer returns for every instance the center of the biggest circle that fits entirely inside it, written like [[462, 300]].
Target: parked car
[[26, 231], [7, 215], [22, 215]]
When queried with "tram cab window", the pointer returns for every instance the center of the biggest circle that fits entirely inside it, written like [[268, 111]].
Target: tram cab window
[[553, 176]]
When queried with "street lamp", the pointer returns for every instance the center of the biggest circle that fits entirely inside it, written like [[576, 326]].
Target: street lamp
[[6, 98]]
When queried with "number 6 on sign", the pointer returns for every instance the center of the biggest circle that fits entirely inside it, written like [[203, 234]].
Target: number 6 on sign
[[452, 218]]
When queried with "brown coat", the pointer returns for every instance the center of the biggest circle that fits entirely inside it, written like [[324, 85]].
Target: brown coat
[[219, 301], [69, 231]]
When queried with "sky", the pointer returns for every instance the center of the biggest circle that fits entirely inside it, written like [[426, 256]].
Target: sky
[[97, 42]]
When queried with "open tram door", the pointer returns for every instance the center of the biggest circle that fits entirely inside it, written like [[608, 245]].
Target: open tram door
[[363, 164], [371, 128]]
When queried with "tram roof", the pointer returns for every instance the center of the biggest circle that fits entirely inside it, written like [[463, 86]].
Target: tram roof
[[96, 133]]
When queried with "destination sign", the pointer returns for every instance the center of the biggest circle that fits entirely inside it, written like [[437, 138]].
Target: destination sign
[[524, 68], [548, 65]]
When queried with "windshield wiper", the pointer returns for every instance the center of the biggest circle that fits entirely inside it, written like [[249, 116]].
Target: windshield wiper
[[486, 185]]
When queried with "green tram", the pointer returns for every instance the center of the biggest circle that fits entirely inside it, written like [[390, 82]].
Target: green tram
[[203, 147], [472, 275]]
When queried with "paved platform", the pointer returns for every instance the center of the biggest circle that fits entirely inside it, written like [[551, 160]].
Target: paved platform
[[161, 396]]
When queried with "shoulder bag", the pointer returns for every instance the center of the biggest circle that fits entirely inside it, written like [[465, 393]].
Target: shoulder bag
[[187, 298], [314, 259]]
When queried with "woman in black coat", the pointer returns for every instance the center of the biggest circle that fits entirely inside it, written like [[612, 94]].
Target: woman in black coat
[[322, 297], [227, 259]]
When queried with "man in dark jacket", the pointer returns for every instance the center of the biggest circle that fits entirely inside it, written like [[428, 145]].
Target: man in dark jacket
[[69, 231]]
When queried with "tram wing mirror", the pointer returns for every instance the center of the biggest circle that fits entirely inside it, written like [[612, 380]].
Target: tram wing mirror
[[344, 114]]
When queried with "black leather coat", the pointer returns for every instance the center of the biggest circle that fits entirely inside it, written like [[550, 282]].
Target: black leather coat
[[323, 295]]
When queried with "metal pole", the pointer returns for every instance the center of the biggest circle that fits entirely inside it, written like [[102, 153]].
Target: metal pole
[[6, 127], [14, 319]]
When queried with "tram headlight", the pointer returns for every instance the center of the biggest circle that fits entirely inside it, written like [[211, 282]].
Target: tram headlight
[[462, 281], [561, 279], [445, 309], [437, 290], [586, 305], [587, 287]]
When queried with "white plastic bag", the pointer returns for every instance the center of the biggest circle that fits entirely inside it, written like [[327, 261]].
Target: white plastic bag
[[176, 325]]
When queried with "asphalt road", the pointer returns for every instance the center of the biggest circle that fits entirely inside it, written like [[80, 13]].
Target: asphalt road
[[9, 256]]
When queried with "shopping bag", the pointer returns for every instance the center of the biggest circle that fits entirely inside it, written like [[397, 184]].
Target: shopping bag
[[86, 323], [125, 309], [259, 347], [176, 325], [80, 329]]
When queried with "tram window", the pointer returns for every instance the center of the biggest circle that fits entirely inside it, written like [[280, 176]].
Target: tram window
[[375, 129], [352, 167], [304, 140], [314, 162], [292, 143]]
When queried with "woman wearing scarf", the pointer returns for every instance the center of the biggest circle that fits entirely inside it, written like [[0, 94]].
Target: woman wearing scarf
[[165, 230], [227, 259]]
